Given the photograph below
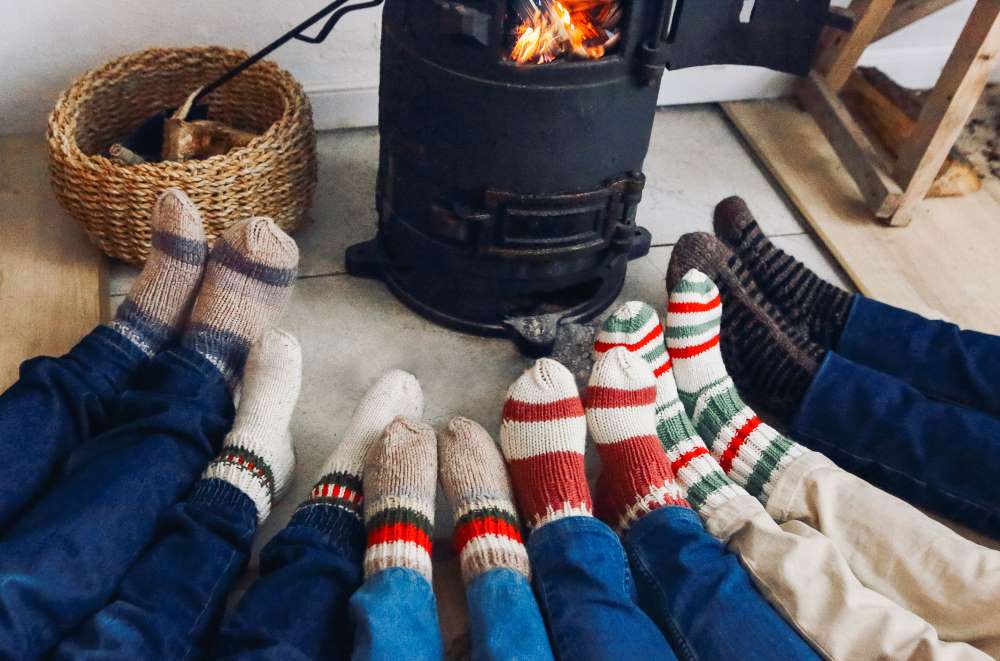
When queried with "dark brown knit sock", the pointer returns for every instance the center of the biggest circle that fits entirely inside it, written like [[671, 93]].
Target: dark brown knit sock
[[769, 360], [802, 296]]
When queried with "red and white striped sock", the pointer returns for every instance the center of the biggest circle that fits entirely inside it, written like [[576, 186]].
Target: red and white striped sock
[[543, 434], [620, 405]]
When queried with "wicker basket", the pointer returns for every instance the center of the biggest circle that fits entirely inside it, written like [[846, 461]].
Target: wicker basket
[[274, 175]]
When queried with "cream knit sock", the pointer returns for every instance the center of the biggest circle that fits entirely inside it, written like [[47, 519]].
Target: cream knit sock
[[400, 485], [487, 530], [396, 393], [257, 456], [248, 280], [160, 298]]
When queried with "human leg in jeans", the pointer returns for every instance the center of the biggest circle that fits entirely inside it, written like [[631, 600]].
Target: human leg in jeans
[[298, 607], [394, 611], [58, 403], [803, 572], [581, 573], [504, 619], [172, 597], [935, 357], [63, 558], [694, 588]]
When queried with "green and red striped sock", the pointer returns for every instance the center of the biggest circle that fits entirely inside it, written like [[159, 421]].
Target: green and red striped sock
[[752, 453], [620, 406], [543, 434], [704, 484], [400, 484]]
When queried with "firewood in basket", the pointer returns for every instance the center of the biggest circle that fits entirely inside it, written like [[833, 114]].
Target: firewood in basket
[[203, 138], [124, 155]]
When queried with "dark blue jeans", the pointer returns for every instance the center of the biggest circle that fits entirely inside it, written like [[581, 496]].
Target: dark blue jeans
[[914, 418], [587, 595], [57, 404], [701, 597], [64, 556]]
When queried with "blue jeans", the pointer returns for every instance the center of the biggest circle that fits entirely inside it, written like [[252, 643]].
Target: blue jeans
[[63, 557], [915, 420], [57, 404], [587, 595], [504, 620], [395, 617], [700, 595]]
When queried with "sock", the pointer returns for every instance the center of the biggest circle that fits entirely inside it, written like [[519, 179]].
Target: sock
[[257, 457], [620, 402], [750, 452], [400, 486], [543, 435], [248, 280], [487, 530], [805, 298], [161, 297], [769, 359], [395, 394], [702, 481]]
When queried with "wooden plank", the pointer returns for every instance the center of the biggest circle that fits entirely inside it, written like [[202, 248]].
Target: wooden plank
[[841, 50], [850, 142], [52, 280], [907, 12], [942, 266], [949, 105]]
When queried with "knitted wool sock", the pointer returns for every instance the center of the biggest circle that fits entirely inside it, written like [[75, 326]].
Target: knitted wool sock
[[400, 485], [620, 402], [487, 530], [396, 393], [151, 314], [750, 452], [248, 280], [704, 484], [543, 435], [806, 299], [257, 456], [768, 358]]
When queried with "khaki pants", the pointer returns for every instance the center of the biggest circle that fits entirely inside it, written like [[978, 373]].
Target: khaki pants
[[803, 574], [896, 550]]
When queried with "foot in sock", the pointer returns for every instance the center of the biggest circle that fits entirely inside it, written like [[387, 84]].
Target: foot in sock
[[395, 394], [474, 477], [702, 481], [161, 297], [257, 456], [400, 485], [248, 280], [769, 359], [620, 405], [543, 435], [807, 300], [749, 451]]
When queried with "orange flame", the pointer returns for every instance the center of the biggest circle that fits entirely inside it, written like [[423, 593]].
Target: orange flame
[[553, 31]]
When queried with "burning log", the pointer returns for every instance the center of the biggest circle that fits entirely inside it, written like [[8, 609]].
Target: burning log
[[549, 30]]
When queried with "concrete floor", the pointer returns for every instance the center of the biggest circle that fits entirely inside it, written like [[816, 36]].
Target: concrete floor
[[352, 330]]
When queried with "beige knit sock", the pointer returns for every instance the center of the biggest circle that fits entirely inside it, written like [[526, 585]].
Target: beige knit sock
[[400, 485], [257, 457], [487, 530], [396, 393], [160, 298], [248, 280]]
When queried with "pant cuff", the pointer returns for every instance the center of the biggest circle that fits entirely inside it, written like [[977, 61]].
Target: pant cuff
[[725, 520], [340, 527], [789, 485], [217, 493]]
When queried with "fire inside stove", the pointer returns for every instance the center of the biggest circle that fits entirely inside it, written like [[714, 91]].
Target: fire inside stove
[[548, 30]]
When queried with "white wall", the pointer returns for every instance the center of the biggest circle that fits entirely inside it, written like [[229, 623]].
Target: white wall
[[45, 44]]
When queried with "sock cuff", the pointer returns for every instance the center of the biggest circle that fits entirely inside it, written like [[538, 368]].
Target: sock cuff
[[249, 472], [215, 492], [340, 527], [339, 489], [487, 536], [398, 537]]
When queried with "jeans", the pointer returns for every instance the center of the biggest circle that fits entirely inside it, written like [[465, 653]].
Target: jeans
[[395, 617], [56, 405], [298, 607], [700, 596], [170, 601], [504, 621], [587, 595], [64, 556]]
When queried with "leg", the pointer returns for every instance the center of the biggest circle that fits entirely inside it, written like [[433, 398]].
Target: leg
[[504, 619], [896, 550], [932, 454], [174, 594], [395, 617]]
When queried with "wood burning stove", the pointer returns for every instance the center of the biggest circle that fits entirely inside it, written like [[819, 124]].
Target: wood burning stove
[[507, 190]]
